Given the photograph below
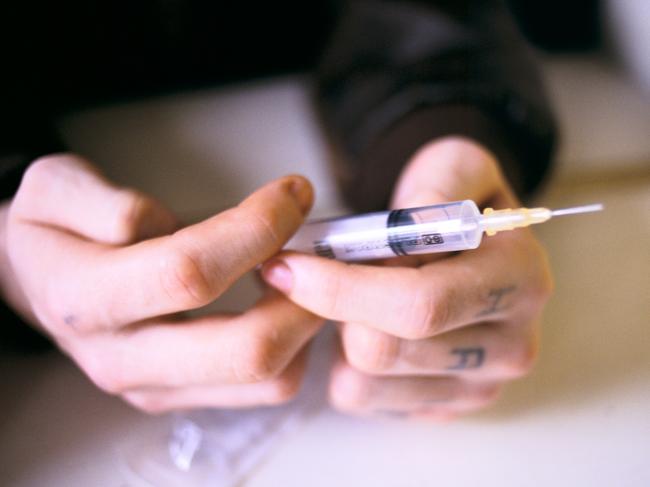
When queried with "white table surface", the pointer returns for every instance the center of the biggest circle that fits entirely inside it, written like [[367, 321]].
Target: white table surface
[[582, 418]]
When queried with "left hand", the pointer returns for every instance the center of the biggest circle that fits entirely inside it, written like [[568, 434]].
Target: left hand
[[435, 336]]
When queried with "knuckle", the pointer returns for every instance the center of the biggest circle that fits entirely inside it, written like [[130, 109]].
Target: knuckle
[[546, 285], [147, 403], [257, 360], [42, 169], [129, 207], [185, 281], [38, 175], [369, 350], [486, 161], [533, 257], [430, 313], [105, 374], [486, 395], [282, 390], [542, 285], [521, 360], [350, 391]]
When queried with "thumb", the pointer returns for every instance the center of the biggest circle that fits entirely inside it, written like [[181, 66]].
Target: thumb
[[449, 169], [66, 191], [185, 270]]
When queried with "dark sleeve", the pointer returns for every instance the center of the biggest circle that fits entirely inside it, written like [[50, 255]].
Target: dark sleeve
[[398, 74], [26, 131]]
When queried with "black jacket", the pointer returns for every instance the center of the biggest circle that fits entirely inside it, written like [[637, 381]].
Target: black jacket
[[390, 75]]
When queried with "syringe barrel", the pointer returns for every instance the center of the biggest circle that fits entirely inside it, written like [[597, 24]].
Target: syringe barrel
[[445, 227]]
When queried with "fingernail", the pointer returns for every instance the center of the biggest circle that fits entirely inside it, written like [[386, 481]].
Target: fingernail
[[301, 191], [278, 275]]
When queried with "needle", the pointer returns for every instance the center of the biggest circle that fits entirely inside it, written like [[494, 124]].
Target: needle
[[577, 209]]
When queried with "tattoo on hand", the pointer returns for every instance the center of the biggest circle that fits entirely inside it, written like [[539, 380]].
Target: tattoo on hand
[[468, 358], [70, 320], [495, 298]]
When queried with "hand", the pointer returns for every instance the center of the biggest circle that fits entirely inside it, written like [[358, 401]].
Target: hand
[[433, 336], [100, 270]]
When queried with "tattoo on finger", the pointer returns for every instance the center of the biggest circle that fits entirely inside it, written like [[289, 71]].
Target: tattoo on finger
[[495, 300], [70, 320], [468, 358]]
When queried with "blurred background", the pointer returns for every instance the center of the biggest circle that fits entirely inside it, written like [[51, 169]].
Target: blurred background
[[580, 419]]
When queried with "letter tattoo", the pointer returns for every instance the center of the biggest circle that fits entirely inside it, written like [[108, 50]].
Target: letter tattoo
[[495, 298], [70, 320], [468, 358]]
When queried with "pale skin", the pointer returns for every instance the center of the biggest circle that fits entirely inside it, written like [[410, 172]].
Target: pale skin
[[106, 272], [431, 337]]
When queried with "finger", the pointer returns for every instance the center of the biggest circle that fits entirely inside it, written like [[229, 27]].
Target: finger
[[68, 192], [352, 391], [252, 347], [197, 264], [492, 283], [271, 392], [186, 270], [450, 169], [486, 351]]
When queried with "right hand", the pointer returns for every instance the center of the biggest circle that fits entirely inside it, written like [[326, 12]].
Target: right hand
[[104, 271]]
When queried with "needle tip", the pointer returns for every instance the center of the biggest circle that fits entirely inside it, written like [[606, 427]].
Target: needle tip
[[578, 209]]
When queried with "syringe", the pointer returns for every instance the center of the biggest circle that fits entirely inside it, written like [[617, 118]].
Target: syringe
[[445, 227]]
